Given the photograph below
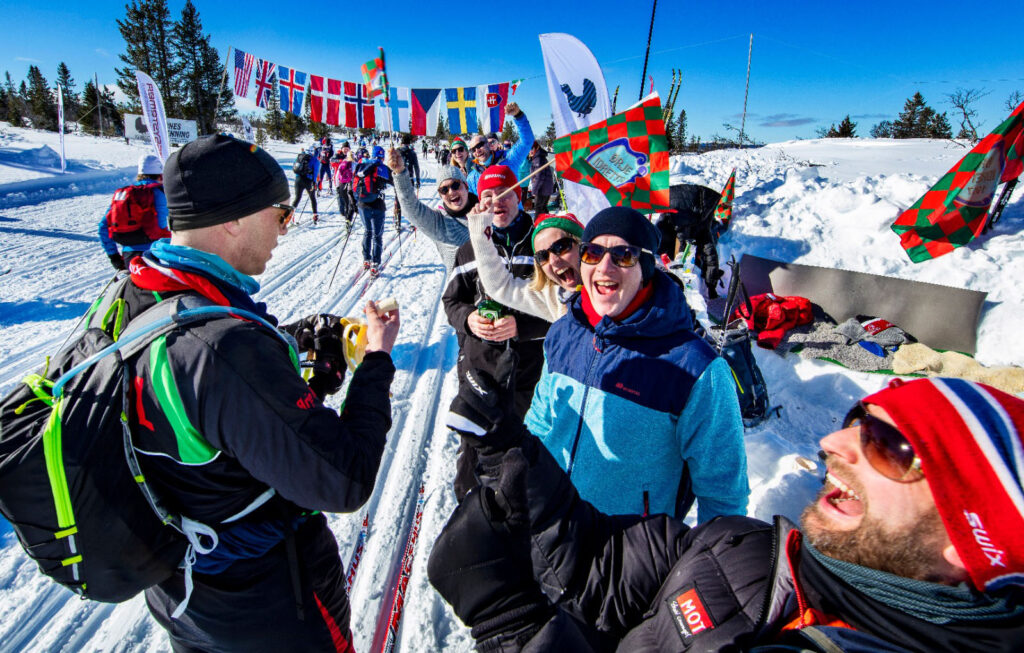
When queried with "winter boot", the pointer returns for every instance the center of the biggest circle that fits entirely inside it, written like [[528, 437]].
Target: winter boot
[[374, 272], [367, 265], [316, 218]]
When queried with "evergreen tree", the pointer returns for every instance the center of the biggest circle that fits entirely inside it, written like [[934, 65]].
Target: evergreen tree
[[292, 127], [274, 117], [87, 113], [670, 128], [938, 126], [442, 129], [913, 118], [549, 134], [67, 83], [200, 73], [146, 30], [680, 132], [13, 111], [846, 129], [509, 133], [42, 107], [261, 135], [882, 130]]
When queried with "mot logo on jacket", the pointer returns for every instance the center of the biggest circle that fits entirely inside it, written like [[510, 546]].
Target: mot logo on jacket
[[690, 615]]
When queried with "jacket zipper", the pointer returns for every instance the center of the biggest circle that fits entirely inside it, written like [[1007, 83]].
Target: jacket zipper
[[583, 409]]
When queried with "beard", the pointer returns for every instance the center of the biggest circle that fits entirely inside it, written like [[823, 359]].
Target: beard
[[910, 550]]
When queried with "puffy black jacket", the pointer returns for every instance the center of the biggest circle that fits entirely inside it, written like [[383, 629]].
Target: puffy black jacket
[[630, 583]]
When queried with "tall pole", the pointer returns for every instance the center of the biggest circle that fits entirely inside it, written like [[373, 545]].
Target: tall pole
[[223, 78], [99, 100], [647, 54], [746, 91]]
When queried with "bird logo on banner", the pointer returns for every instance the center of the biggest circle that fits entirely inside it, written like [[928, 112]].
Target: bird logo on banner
[[581, 104]]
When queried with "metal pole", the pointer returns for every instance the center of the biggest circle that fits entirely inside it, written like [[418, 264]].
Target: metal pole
[[650, 32], [223, 78], [99, 100], [746, 92]]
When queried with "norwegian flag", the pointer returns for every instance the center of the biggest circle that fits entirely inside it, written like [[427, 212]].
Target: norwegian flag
[[264, 82], [243, 70], [358, 107], [317, 95]]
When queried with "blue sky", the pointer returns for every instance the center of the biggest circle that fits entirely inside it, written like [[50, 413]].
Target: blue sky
[[813, 63]]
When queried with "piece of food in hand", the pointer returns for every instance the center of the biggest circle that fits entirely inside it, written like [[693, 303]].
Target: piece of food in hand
[[387, 305]]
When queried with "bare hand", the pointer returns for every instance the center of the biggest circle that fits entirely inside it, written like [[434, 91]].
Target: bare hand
[[513, 109], [479, 326], [394, 160], [381, 329], [504, 329]]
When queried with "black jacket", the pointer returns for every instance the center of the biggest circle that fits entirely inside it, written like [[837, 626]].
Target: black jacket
[[631, 583], [248, 423], [465, 292]]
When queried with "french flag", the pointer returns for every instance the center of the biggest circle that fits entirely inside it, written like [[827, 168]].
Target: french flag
[[491, 101]]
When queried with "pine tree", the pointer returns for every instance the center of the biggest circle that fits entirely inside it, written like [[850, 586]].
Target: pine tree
[[549, 134], [274, 117], [13, 111], [42, 107], [882, 130], [261, 136], [911, 121], [670, 128], [200, 73], [292, 127], [67, 83], [442, 129], [146, 30], [846, 129], [509, 133], [680, 133], [938, 126]]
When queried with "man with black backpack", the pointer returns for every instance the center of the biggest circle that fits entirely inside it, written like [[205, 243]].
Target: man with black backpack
[[223, 433], [137, 215], [371, 177], [306, 169]]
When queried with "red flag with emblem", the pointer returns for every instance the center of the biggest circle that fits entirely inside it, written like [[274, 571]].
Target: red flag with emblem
[[723, 212], [953, 211]]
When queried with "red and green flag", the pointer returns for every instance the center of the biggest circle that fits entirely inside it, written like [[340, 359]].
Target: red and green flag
[[954, 210], [375, 77], [625, 157], [723, 212]]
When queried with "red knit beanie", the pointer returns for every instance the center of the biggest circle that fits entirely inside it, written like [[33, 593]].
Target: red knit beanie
[[498, 177], [969, 439]]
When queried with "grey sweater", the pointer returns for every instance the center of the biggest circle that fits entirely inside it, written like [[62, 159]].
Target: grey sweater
[[446, 231]]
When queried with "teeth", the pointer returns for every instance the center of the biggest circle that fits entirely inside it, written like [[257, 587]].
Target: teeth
[[848, 493]]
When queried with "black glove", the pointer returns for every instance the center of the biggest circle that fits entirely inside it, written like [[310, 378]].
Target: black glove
[[481, 562], [117, 261], [484, 410]]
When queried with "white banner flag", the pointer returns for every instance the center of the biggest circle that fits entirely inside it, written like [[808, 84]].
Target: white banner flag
[[60, 127], [153, 111], [579, 98], [249, 135]]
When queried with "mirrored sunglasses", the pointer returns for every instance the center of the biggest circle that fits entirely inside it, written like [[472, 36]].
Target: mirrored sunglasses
[[448, 188], [559, 247], [289, 212], [624, 256], [885, 448]]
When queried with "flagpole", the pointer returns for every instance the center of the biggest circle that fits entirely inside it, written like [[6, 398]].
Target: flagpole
[[529, 176], [746, 91], [99, 101], [223, 79], [650, 33]]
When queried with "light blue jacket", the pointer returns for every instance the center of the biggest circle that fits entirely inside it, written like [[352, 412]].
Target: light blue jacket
[[632, 410], [513, 158]]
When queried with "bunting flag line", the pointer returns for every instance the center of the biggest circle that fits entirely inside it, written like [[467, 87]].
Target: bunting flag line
[[264, 82], [319, 96], [491, 102], [394, 116], [723, 212], [461, 105], [358, 107], [953, 211], [375, 77], [424, 111], [243, 71], [625, 157], [292, 84], [513, 86]]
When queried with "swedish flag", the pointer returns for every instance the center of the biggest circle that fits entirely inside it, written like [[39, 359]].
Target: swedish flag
[[461, 103]]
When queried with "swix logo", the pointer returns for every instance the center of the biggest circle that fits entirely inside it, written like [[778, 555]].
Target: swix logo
[[690, 615], [307, 401], [994, 555], [493, 100]]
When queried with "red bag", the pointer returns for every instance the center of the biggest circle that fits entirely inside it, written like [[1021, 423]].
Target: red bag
[[772, 316], [132, 219]]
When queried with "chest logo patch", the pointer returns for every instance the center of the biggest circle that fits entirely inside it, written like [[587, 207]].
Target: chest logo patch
[[690, 615]]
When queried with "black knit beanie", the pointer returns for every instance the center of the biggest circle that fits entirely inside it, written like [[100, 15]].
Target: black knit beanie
[[217, 178], [629, 225]]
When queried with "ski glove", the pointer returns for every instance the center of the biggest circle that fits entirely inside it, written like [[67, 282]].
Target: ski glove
[[117, 261], [481, 562], [483, 412]]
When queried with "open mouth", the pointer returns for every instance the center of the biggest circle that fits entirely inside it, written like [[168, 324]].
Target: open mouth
[[606, 287], [842, 497], [567, 277]]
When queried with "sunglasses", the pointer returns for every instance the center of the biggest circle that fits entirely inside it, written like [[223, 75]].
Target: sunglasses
[[559, 247], [289, 211], [456, 150], [624, 256], [885, 447], [479, 146], [448, 188]]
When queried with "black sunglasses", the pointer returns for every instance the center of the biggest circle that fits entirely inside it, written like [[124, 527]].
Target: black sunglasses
[[478, 146], [458, 149], [449, 188], [289, 211], [885, 447], [624, 256], [559, 247]]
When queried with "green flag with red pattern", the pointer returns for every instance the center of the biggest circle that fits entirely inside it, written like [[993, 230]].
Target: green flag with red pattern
[[723, 212], [625, 157], [375, 78], [953, 211]]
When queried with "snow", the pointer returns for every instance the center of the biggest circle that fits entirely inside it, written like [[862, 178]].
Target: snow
[[819, 202]]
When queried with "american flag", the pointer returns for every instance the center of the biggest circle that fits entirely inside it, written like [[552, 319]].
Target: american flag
[[243, 70], [264, 82]]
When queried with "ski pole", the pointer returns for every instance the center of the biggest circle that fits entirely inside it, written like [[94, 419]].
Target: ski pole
[[338, 264], [401, 257]]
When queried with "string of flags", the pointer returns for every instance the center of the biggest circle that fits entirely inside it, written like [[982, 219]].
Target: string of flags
[[374, 103]]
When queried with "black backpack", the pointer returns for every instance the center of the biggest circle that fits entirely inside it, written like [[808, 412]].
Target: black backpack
[[367, 185], [303, 164], [70, 482], [732, 342]]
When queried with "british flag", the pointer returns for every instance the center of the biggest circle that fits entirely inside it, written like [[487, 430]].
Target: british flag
[[243, 70], [264, 82]]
